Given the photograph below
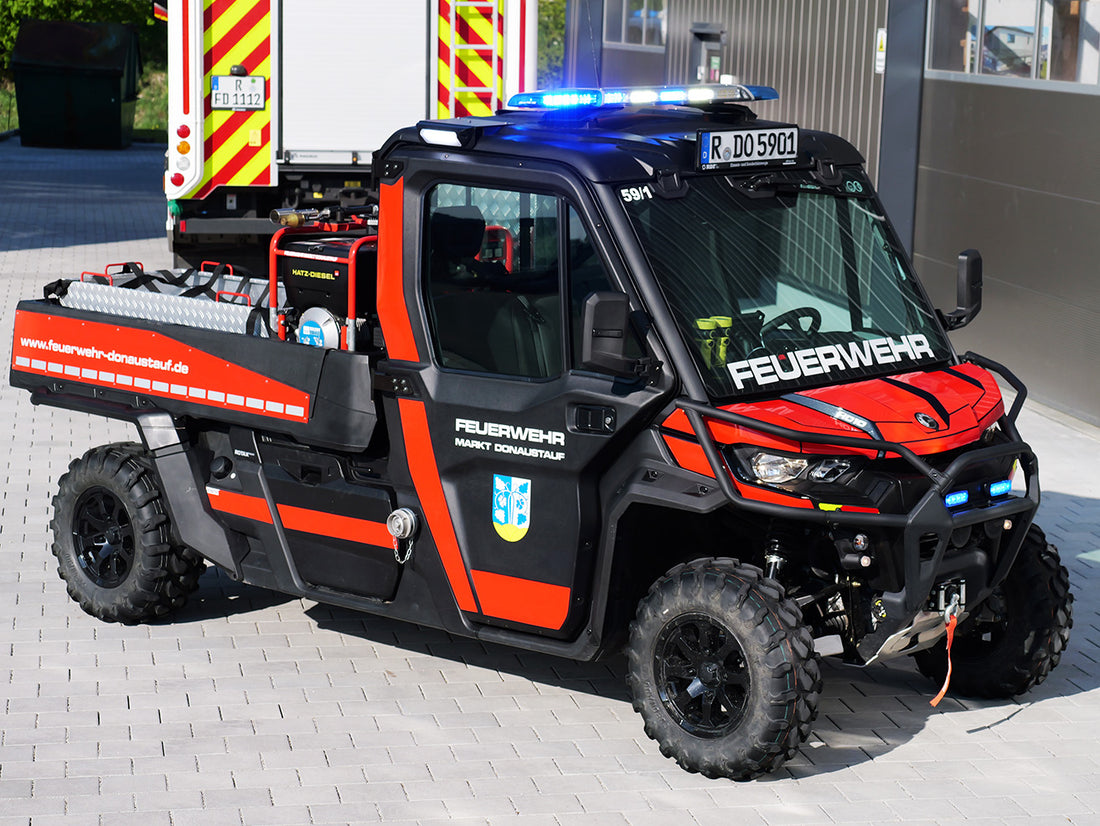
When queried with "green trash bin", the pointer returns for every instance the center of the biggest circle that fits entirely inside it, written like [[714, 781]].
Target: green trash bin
[[76, 84]]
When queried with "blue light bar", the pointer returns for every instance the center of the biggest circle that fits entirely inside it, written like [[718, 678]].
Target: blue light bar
[[557, 99], [1000, 488], [762, 92], [959, 497], [640, 96]]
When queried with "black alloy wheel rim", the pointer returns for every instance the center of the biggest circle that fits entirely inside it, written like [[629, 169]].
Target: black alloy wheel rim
[[701, 674], [103, 536]]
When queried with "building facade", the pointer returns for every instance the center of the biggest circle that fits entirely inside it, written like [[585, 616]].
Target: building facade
[[1009, 165]]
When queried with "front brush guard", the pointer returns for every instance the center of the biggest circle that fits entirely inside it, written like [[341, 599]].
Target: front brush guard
[[929, 517]]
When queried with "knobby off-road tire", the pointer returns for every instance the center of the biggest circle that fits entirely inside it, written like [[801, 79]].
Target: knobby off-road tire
[[112, 539], [1012, 641], [723, 670]]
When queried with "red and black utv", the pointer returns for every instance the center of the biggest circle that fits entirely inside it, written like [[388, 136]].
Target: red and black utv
[[614, 367]]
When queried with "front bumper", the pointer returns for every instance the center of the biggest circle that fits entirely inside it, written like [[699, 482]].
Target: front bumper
[[925, 530]]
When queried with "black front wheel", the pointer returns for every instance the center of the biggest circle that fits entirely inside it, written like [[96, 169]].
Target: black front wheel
[[112, 538], [1017, 635], [723, 670]]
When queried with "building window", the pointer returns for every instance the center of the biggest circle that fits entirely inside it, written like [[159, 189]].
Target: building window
[[1017, 39], [635, 22]]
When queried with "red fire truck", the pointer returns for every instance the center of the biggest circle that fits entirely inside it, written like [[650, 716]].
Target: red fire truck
[[268, 109]]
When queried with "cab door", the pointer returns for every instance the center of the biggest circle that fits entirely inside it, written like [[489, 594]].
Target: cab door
[[508, 448]]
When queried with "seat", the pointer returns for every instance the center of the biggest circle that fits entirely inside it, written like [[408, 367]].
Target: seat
[[498, 332], [457, 235]]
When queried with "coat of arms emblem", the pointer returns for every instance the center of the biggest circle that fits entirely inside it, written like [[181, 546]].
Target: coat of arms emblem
[[511, 506]]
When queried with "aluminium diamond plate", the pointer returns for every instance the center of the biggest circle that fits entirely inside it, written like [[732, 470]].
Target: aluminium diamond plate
[[150, 306]]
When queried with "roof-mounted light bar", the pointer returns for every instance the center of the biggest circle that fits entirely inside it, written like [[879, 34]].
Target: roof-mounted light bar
[[456, 132], [641, 96]]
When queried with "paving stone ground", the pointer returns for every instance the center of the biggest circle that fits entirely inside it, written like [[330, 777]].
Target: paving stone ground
[[251, 708]]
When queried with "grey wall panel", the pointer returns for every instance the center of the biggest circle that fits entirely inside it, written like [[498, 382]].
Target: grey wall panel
[[1052, 346], [818, 55], [1037, 241], [1035, 139], [631, 67], [1014, 173]]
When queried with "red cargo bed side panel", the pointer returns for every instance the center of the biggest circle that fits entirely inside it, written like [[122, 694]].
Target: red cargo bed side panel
[[144, 362]]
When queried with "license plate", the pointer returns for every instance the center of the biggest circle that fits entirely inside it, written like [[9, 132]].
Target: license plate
[[747, 147], [237, 92]]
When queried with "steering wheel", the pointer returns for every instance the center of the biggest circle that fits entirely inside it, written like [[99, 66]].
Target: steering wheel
[[790, 319]]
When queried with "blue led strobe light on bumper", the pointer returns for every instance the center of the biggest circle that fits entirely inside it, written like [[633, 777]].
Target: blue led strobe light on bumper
[[956, 499]]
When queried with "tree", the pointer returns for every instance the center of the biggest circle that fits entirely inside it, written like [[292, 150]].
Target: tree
[[138, 13]]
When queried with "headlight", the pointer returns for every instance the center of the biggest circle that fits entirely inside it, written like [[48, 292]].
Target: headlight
[[829, 470], [774, 469]]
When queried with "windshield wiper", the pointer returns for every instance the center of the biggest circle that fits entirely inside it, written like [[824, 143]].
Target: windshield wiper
[[774, 183], [780, 182]]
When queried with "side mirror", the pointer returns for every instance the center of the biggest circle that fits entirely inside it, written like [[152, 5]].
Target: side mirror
[[606, 326], [968, 291]]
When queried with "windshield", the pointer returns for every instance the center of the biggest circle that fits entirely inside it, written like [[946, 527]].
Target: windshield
[[787, 289]]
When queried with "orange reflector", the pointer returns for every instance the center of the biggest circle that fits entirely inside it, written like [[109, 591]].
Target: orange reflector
[[183, 147]]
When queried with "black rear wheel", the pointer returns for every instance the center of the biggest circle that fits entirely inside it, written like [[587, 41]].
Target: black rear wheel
[[103, 537], [1011, 641], [723, 670], [112, 539]]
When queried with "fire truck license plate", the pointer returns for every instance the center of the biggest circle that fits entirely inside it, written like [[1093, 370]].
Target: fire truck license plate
[[237, 92], [718, 150]]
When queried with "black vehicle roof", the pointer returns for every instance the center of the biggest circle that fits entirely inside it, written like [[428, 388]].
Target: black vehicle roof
[[610, 144]]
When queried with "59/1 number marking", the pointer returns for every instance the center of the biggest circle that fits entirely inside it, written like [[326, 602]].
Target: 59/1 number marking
[[630, 194]]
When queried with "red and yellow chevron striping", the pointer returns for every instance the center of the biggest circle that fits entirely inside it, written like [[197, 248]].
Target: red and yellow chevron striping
[[238, 149], [470, 64]]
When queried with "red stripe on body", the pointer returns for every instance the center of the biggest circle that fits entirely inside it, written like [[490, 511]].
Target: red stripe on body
[[302, 520], [429, 489], [334, 526], [522, 47], [239, 504], [689, 455], [774, 497], [392, 311], [522, 600], [186, 23]]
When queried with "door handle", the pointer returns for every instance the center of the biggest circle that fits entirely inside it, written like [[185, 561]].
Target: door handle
[[589, 418]]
